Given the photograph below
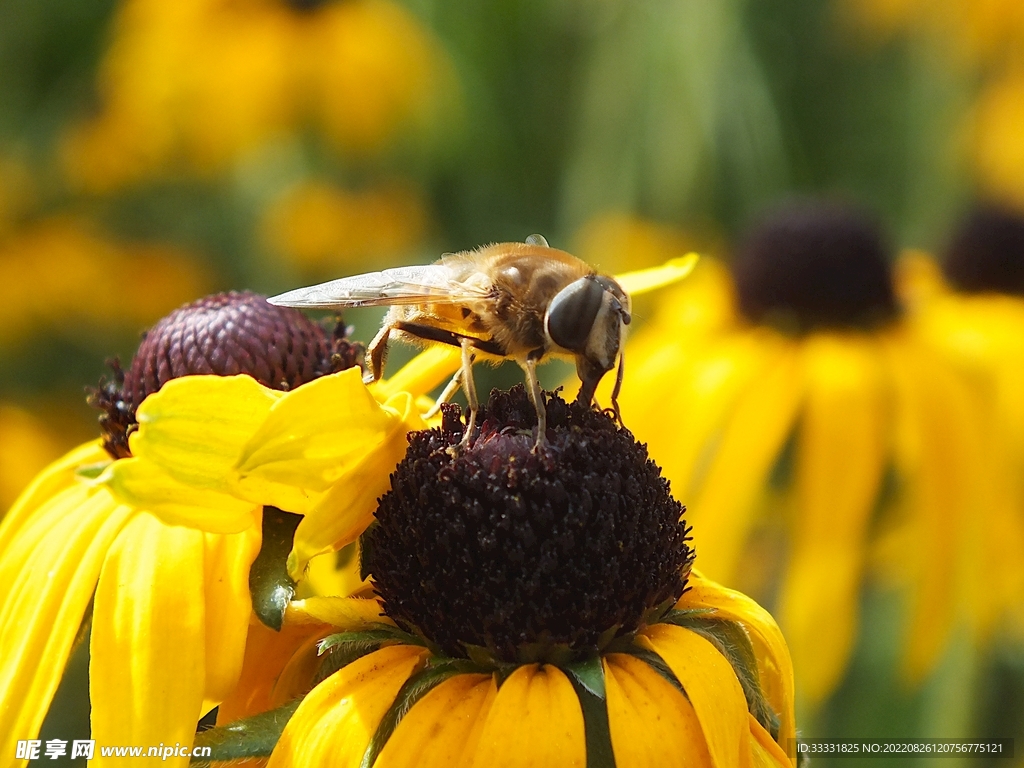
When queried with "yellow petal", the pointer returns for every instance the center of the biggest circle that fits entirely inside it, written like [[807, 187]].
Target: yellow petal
[[228, 605], [50, 481], [644, 280], [195, 427], [763, 749], [442, 729], [310, 439], [423, 373], [335, 722], [937, 452], [49, 570], [143, 484], [775, 668], [539, 701], [712, 688], [840, 459], [652, 724], [345, 511], [147, 671], [341, 612], [761, 420]]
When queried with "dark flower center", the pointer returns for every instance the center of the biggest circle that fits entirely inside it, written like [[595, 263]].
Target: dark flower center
[[499, 547], [987, 253], [224, 334], [808, 266]]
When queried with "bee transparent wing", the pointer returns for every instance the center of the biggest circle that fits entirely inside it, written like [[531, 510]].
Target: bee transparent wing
[[428, 284]]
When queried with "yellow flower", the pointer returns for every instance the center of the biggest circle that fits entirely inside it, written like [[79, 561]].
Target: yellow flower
[[60, 274], [520, 594], [804, 438], [324, 229], [168, 554], [977, 323], [196, 84]]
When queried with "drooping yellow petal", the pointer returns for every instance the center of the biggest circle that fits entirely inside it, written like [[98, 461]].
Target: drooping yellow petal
[[937, 449], [652, 724], [840, 459], [50, 481], [341, 612], [775, 668], [50, 568], [644, 280], [423, 373], [335, 722], [228, 606], [443, 728], [147, 669], [310, 439], [145, 485], [539, 701], [765, 753], [267, 652], [195, 427], [712, 688], [344, 512], [761, 419]]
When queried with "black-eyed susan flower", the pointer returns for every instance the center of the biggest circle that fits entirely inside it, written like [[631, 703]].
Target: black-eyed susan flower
[[532, 609], [261, 407], [197, 84], [975, 318], [816, 426]]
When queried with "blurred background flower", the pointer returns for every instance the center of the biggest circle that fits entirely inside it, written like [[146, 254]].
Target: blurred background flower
[[153, 152]]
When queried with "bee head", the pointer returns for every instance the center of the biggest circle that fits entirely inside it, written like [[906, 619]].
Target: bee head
[[588, 318]]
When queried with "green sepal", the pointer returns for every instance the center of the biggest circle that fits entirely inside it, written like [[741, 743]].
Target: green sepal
[[655, 662], [252, 737], [270, 585], [587, 678], [733, 642], [366, 550], [414, 689], [589, 673], [92, 471], [340, 650]]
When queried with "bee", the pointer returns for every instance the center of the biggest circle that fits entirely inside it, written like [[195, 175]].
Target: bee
[[521, 301]]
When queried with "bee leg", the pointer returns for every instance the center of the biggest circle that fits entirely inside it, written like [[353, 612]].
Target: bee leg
[[537, 398], [378, 351], [469, 387], [446, 395], [618, 388]]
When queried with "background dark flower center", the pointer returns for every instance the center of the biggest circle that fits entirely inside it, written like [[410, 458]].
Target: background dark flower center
[[503, 548], [814, 265], [224, 334], [987, 253]]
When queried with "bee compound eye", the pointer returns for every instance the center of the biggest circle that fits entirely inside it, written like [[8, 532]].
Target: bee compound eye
[[572, 313]]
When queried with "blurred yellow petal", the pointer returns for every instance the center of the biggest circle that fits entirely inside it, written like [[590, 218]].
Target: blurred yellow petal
[[938, 452], [226, 564], [345, 511], [652, 724], [145, 485], [840, 459], [644, 280], [712, 688], [761, 420], [442, 729], [775, 668], [538, 700], [50, 569], [147, 668], [341, 612], [340, 715]]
